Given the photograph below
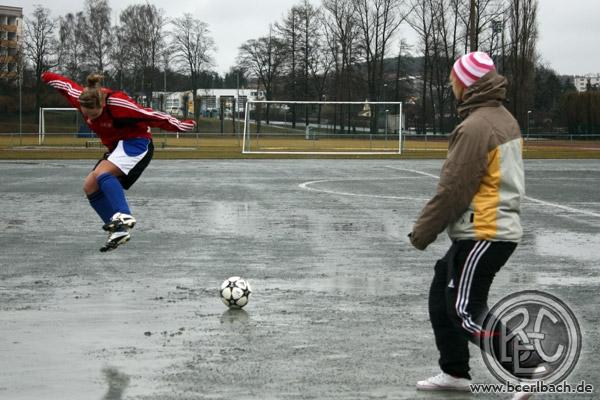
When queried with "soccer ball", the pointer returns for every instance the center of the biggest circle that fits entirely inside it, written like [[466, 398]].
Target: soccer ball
[[235, 292]]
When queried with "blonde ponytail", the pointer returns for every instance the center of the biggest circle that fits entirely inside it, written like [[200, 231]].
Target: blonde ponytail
[[92, 96], [93, 80]]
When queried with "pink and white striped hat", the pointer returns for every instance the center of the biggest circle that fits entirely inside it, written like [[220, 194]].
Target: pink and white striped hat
[[472, 66]]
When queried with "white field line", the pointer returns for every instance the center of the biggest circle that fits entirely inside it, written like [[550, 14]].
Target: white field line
[[307, 186], [532, 199], [564, 178]]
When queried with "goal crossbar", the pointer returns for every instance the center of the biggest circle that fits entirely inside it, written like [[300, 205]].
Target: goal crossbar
[[320, 102]]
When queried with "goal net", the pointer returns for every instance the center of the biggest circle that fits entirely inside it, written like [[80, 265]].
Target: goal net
[[322, 127], [57, 125]]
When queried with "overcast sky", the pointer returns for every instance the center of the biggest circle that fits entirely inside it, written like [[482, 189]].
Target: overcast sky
[[569, 31]]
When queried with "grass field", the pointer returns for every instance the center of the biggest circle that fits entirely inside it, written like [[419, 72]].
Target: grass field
[[199, 146], [211, 144]]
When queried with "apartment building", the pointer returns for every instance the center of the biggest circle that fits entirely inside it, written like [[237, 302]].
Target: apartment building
[[11, 33], [581, 82]]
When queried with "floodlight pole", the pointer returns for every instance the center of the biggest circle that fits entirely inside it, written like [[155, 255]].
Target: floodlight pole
[[386, 123], [20, 106], [237, 102], [528, 114]]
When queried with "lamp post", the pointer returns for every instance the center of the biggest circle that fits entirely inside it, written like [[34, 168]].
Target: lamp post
[[528, 114], [386, 124], [237, 103], [20, 105], [496, 30], [528, 127], [167, 57], [386, 111]]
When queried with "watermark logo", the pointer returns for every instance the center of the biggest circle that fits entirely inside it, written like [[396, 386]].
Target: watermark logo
[[531, 336]]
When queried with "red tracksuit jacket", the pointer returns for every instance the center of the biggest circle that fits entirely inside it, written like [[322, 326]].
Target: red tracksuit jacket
[[122, 118]]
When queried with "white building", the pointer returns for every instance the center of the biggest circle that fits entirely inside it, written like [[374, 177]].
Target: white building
[[210, 100], [581, 81]]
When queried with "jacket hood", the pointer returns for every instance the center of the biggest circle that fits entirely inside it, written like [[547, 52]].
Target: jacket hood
[[488, 91]]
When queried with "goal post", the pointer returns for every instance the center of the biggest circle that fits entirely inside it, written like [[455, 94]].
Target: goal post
[[64, 124], [322, 127]]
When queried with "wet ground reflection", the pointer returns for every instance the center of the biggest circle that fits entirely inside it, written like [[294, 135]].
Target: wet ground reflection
[[117, 383]]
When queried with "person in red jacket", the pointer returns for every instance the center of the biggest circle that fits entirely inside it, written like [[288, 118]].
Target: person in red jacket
[[123, 126]]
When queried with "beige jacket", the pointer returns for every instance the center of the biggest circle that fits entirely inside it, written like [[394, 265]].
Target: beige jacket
[[482, 181]]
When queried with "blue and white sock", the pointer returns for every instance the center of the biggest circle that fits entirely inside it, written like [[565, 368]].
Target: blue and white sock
[[114, 192], [101, 205]]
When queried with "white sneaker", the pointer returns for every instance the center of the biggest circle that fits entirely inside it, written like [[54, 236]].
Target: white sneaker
[[116, 238], [443, 381], [119, 220]]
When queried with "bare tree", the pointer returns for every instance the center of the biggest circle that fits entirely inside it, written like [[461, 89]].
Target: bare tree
[[193, 47], [288, 30], [300, 32], [341, 33], [71, 51], [422, 21], [490, 13], [477, 16], [263, 57], [378, 21], [446, 39], [143, 25], [522, 54], [321, 64], [40, 45], [97, 35], [120, 55], [309, 38]]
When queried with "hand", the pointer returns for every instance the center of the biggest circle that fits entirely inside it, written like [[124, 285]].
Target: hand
[[415, 244]]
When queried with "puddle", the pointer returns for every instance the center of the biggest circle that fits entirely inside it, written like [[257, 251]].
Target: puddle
[[580, 247], [563, 280]]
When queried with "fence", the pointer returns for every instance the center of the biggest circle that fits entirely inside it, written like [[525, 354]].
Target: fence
[[538, 145]]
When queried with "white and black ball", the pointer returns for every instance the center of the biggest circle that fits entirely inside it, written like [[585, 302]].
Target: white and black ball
[[235, 292]]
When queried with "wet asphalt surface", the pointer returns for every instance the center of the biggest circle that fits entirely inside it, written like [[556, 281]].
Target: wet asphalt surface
[[339, 309]]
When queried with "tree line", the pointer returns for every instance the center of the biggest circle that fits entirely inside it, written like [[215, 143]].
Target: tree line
[[133, 54], [339, 50]]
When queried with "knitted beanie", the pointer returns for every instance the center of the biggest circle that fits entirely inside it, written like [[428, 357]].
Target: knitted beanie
[[472, 66]]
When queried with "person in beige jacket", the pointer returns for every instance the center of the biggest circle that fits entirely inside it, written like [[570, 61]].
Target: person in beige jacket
[[478, 202]]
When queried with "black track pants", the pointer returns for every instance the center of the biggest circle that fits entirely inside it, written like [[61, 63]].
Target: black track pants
[[458, 298]]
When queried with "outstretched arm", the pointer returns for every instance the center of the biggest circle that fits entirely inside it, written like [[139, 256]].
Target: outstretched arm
[[65, 86], [122, 106]]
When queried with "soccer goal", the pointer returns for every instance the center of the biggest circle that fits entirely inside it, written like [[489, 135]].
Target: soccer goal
[[59, 122], [322, 127]]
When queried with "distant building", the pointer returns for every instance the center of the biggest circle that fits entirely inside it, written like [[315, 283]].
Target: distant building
[[581, 82], [210, 100], [11, 33]]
